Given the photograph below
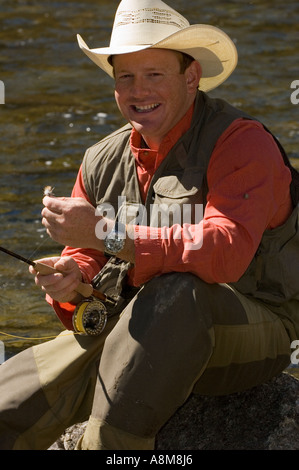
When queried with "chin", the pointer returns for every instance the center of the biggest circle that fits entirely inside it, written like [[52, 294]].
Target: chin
[[144, 129]]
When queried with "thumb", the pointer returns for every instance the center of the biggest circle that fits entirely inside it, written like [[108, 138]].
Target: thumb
[[66, 264]]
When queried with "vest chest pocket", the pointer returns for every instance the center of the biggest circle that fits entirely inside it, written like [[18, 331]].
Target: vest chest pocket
[[177, 199]]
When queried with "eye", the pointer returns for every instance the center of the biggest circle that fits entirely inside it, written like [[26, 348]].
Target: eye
[[155, 76], [123, 78]]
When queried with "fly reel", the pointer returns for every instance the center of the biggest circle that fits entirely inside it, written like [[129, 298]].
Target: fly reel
[[90, 317]]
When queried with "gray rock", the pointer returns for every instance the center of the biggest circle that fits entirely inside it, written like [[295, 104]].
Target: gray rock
[[263, 418]]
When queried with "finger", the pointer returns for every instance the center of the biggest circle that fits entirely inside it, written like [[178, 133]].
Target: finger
[[32, 270], [50, 215], [53, 226], [49, 280], [51, 261], [67, 265], [62, 290], [54, 204]]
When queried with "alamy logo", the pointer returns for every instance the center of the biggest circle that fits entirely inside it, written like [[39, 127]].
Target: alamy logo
[[295, 95], [295, 354], [2, 352], [2, 92]]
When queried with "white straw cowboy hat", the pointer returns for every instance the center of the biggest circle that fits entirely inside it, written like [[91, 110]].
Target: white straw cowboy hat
[[144, 24]]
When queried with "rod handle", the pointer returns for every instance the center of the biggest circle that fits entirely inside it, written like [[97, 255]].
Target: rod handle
[[84, 289]]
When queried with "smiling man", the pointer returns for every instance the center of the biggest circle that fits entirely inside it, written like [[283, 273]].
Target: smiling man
[[207, 305]]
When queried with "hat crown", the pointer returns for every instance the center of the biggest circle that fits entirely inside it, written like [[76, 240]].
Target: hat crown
[[144, 22]]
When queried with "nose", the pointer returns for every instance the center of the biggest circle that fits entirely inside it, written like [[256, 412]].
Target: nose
[[140, 86]]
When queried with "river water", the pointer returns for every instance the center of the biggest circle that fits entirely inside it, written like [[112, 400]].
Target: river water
[[58, 103]]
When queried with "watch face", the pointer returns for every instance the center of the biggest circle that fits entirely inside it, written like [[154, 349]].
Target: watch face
[[114, 244]]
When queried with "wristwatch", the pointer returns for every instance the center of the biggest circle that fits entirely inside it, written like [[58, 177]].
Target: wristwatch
[[115, 240]]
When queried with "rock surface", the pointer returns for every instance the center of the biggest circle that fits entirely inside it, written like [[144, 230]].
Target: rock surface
[[264, 418]]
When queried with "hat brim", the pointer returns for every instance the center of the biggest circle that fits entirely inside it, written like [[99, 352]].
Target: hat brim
[[210, 46]]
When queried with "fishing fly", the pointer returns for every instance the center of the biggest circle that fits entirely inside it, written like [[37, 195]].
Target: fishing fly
[[49, 191]]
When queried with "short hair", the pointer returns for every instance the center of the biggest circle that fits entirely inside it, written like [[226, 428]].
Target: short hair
[[185, 60]]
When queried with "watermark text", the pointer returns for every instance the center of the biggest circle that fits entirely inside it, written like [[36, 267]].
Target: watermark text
[[164, 221], [295, 354], [295, 94], [2, 352], [2, 92]]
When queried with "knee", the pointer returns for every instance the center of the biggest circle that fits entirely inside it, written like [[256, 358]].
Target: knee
[[185, 288], [174, 285]]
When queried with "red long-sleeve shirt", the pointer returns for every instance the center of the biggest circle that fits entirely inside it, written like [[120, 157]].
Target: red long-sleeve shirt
[[248, 193]]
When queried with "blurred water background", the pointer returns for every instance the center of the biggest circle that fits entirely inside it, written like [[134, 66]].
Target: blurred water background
[[58, 103]]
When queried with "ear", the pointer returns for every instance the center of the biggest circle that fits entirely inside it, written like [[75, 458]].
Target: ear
[[193, 75]]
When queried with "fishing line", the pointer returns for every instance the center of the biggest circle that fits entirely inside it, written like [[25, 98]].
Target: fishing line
[[35, 339]]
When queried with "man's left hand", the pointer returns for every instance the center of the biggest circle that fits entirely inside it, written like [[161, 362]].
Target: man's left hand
[[70, 221]]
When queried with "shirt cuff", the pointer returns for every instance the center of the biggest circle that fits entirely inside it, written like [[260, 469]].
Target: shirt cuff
[[149, 254], [64, 312]]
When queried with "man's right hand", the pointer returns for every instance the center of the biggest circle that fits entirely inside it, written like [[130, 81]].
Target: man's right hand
[[60, 286]]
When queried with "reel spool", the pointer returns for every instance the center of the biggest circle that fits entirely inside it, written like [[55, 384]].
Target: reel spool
[[90, 318]]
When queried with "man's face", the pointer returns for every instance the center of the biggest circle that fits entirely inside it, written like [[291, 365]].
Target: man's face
[[151, 93]]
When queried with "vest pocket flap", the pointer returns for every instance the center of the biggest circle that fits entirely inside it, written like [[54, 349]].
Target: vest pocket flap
[[179, 185]]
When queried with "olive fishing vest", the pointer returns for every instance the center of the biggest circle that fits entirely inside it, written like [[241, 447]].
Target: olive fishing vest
[[109, 173]]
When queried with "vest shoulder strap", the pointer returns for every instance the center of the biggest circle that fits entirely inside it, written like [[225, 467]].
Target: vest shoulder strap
[[294, 188]]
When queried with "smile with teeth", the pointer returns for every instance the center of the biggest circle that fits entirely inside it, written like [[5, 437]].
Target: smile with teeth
[[147, 108]]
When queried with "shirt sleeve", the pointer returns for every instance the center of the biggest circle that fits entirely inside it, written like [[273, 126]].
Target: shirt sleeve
[[248, 193], [90, 262]]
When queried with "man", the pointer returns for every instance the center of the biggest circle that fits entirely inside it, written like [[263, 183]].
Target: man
[[206, 305]]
